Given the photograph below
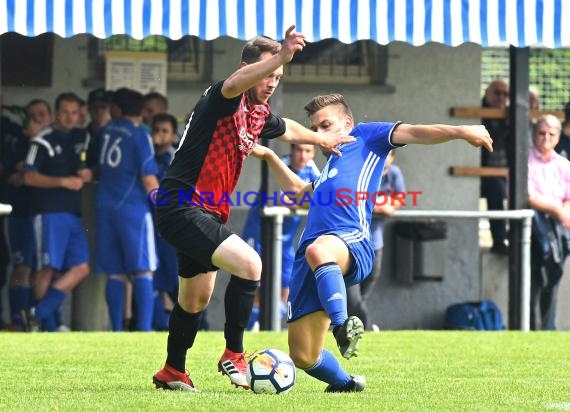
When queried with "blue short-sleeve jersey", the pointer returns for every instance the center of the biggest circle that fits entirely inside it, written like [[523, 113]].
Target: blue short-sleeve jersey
[[163, 162], [126, 156], [338, 200]]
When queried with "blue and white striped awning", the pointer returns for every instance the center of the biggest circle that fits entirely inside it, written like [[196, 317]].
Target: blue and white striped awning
[[452, 22]]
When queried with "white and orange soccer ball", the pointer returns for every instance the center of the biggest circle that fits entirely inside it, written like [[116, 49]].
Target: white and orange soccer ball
[[271, 371]]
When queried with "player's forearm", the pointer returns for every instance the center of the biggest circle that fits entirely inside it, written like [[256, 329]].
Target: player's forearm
[[287, 180], [475, 135], [297, 133], [150, 182], [425, 134], [249, 75], [39, 180]]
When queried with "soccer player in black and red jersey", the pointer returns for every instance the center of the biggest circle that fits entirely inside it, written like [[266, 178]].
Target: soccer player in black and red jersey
[[226, 124]]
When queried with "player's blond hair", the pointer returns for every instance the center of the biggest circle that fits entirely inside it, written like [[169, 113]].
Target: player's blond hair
[[320, 102]]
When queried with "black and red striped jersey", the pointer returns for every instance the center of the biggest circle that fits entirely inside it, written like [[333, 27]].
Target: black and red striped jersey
[[218, 136]]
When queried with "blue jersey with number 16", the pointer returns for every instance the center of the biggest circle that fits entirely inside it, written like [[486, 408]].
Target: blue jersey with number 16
[[126, 156]]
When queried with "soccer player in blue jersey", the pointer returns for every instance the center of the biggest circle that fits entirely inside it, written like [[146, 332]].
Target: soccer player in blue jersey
[[300, 161], [52, 169], [125, 243], [335, 250]]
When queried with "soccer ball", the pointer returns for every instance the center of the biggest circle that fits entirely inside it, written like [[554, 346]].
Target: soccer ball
[[271, 371]]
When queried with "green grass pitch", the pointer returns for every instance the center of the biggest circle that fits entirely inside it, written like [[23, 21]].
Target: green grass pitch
[[405, 371]]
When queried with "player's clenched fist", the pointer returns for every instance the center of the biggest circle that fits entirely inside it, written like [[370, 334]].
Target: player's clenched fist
[[478, 135]]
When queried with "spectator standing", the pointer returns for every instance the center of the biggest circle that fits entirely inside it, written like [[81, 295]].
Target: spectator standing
[[549, 196], [154, 103], [53, 170], [563, 146], [494, 189]]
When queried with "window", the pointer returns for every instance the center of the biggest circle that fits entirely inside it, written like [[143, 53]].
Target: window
[[26, 61], [330, 61], [549, 72], [188, 57]]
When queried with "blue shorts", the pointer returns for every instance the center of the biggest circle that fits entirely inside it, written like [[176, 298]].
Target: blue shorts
[[60, 241], [166, 275], [303, 296], [125, 241], [21, 241]]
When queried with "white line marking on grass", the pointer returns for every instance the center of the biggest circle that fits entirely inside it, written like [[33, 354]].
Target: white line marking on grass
[[560, 406]]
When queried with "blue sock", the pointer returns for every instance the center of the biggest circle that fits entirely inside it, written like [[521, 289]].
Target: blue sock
[[328, 369], [143, 294], [20, 297], [254, 317], [49, 324], [49, 303], [57, 317], [160, 316], [332, 292], [115, 295]]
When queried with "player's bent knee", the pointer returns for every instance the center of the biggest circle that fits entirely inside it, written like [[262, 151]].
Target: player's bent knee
[[195, 303], [314, 255], [251, 269], [302, 359]]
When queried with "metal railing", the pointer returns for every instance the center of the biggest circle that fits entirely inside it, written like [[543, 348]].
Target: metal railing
[[5, 209], [277, 213]]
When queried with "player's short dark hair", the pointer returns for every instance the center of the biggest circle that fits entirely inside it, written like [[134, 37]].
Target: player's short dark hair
[[567, 112], [67, 97], [99, 96], [320, 102], [255, 47], [165, 118], [129, 101], [292, 146], [156, 96], [33, 102]]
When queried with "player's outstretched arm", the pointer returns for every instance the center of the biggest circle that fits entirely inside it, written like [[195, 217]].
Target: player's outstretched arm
[[248, 75], [476, 135], [285, 177], [297, 133]]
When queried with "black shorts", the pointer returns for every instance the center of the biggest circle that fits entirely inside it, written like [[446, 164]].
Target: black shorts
[[196, 234]]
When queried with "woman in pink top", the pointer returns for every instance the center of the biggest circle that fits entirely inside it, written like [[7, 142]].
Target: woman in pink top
[[549, 196]]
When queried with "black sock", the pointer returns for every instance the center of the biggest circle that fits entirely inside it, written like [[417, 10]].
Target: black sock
[[182, 327], [238, 304]]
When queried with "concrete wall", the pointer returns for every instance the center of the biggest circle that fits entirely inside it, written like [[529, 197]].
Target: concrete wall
[[427, 82]]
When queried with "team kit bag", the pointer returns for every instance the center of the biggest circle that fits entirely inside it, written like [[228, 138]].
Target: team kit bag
[[483, 315]]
